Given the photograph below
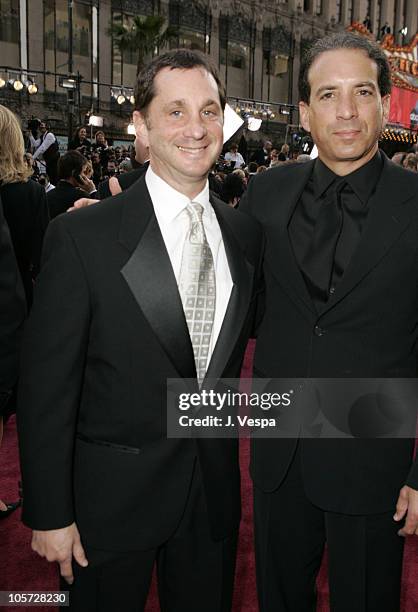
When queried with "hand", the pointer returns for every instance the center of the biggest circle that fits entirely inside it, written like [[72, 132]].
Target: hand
[[81, 203], [60, 545], [407, 505], [87, 184], [114, 186]]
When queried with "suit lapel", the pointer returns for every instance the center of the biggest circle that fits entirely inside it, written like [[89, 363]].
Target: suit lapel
[[151, 279], [387, 220], [242, 274]]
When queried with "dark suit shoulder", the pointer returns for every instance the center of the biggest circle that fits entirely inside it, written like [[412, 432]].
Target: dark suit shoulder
[[29, 190], [247, 230]]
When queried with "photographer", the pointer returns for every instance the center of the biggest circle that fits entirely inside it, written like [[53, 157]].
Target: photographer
[[80, 142], [72, 185], [46, 148]]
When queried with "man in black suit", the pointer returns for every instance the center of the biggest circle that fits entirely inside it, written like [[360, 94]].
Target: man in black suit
[[341, 301], [262, 156], [72, 184], [103, 484]]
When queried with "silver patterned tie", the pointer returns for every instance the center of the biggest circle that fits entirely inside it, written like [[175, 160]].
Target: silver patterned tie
[[197, 288]]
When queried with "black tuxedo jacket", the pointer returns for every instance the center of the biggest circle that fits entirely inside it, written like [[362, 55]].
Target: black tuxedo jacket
[[368, 328], [106, 331]]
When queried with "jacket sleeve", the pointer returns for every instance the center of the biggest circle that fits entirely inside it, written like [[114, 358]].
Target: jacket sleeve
[[12, 313], [52, 367]]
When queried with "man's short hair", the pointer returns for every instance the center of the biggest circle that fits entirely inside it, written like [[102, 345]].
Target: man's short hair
[[344, 40], [182, 59], [70, 163]]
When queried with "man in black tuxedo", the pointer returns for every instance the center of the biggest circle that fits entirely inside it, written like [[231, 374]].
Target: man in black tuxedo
[[104, 487], [341, 301]]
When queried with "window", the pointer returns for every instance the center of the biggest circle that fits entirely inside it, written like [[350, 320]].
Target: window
[[187, 39], [124, 65], [350, 11], [318, 7], [238, 55], [9, 21], [56, 42], [339, 10]]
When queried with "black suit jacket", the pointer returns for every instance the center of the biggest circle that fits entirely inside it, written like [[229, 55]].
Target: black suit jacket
[[125, 179], [13, 312], [368, 328], [26, 211], [106, 331], [63, 197]]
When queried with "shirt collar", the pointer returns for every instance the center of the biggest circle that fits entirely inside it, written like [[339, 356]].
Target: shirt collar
[[169, 202], [362, 181]]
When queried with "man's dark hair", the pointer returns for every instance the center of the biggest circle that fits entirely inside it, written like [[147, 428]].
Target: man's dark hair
[[233, 187], [69, 163], [344, 40], [183, 59]]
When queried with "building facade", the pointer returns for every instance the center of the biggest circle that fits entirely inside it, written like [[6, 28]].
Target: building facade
[[256, 44]]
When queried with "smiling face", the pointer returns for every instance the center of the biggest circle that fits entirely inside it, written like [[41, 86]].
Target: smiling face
[[183, 128], [346, 112], [82, 133]]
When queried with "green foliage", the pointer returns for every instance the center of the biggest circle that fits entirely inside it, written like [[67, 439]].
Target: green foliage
[[143, 36]]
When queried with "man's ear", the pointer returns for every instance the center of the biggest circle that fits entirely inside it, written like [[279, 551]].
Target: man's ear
[[141, 128], [386, 109], [304, 116]]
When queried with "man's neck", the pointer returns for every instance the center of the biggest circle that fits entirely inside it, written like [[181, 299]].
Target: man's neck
[[190, 190], [345, 167]]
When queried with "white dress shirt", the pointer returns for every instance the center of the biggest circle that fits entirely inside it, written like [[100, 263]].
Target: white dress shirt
[[41, 145], [174, 221], [235, 157]]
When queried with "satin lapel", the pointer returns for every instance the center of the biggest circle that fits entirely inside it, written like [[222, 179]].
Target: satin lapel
[[279, 253], [151, 279], [387, 220], [242, 274]]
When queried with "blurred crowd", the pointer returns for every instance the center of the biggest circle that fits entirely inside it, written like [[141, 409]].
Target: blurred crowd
[[228, 179]]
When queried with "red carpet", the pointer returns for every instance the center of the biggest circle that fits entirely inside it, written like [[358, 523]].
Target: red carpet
[[21, 569]]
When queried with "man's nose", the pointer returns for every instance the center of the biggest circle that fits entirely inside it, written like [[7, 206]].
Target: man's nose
[[195, 127], [346, 106]]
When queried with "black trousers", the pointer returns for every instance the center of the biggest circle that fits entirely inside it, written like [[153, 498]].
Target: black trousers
[[194, 572], [365, 553]]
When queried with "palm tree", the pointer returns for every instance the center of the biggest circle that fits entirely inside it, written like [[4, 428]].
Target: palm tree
[[142, 37]]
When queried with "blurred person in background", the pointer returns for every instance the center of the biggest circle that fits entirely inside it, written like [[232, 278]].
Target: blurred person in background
[[262, 156], [101, 146], [44, 181], [233, 157], [232, 189], [410, 162], [46, 150], [72, 185], [24, 201], [80, 141]]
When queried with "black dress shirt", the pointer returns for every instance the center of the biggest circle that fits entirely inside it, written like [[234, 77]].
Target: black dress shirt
[[321, 264]]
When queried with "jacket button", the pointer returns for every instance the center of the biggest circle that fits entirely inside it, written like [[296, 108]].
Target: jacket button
[[318, 331]]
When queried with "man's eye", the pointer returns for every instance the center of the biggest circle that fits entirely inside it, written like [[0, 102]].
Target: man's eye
[[365, 92], [327, 95], [175, 113]]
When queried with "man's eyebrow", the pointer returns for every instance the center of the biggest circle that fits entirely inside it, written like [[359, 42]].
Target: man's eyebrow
[[182, 102], [334, 87]]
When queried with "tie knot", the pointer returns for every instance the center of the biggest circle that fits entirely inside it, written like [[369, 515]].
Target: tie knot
[[195, 211]]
